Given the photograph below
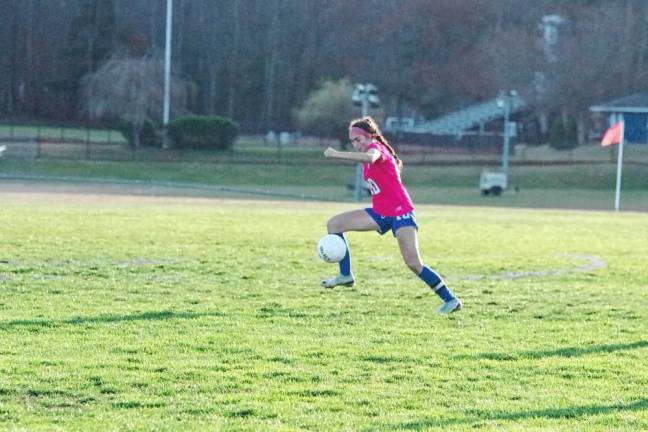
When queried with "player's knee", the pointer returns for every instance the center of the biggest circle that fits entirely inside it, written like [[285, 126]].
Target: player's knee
[[333, 225], [414, 264]]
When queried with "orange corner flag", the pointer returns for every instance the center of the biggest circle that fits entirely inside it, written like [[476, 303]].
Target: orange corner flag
[[612, 135]]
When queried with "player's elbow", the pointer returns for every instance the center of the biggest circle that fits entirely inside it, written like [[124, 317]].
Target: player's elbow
[[372, 156]]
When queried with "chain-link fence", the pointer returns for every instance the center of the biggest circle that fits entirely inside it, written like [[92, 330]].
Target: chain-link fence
[[73, 142]]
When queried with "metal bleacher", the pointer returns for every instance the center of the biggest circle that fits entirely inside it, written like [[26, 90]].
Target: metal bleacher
[[458, 122]]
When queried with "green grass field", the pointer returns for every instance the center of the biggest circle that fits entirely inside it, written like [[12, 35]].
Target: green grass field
[[136, 313], [61, 133], [540, 177], [562, 186]]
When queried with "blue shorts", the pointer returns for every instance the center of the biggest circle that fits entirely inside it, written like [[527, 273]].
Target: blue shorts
[[386, 223]]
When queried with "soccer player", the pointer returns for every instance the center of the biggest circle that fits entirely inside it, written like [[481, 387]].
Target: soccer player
[[391, 209]]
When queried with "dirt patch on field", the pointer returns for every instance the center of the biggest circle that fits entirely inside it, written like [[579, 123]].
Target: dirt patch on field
[[586, 264], [18, 187], [108, 193]]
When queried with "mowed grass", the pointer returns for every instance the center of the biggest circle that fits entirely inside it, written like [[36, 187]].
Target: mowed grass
[[563, 186], [136, 313]]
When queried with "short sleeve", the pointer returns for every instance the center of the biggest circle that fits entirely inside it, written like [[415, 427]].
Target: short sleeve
[[381, 149]]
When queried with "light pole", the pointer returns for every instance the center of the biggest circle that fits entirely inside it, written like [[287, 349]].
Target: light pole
[[505, 102], [364, 96], [167, 73]]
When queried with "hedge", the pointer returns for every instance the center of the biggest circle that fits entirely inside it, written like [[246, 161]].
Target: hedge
[[201, 132]]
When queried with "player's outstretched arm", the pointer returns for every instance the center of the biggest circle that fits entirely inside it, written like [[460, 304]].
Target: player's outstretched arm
[[371, 156]]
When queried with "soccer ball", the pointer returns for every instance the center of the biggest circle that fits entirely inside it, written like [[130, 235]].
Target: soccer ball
[[331, 248]]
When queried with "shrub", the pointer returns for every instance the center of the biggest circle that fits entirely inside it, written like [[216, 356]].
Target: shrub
[[327, 111], [215, 133]]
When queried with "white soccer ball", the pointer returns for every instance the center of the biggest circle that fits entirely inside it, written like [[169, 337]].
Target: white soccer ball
[[331, 248]]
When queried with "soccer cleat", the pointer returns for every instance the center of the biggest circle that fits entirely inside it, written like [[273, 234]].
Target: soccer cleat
[[338, 280], [450, 306]]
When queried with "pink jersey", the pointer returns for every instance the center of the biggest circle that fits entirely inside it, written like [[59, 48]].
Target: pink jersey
[[388, 195]]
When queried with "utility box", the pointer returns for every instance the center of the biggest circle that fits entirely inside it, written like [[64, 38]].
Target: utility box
[[492, 183], [285, 138]]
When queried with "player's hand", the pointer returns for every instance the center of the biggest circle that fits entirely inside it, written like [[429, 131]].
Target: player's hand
[[330, 152]]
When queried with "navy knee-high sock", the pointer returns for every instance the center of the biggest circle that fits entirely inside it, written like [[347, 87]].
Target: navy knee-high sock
[[435, 282], [345, 264]]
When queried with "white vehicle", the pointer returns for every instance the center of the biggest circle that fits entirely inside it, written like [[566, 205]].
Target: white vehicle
[[2, 149], [492, 182]]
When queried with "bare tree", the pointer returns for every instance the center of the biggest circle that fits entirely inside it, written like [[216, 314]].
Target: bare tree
[[255, 60], [233, 58], [131, 89], [270, 64], [597, 60]]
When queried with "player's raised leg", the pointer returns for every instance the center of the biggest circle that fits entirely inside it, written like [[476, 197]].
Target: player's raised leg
[[356, 220], [408, 243]]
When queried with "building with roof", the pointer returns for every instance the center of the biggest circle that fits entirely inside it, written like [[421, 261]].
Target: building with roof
[[634, 110]]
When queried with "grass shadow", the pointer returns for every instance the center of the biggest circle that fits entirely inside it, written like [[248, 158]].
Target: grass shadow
[[110, 318], [561, 352], [476, 416]]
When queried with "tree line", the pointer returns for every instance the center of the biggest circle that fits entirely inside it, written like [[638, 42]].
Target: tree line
[[256, 61]]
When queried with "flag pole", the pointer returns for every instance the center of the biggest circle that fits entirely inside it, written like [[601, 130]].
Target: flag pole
[[617, 195]]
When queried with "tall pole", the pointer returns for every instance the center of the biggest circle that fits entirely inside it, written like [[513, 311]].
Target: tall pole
[[359, 180], [617, 195], [505, 150], [167, 71]]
